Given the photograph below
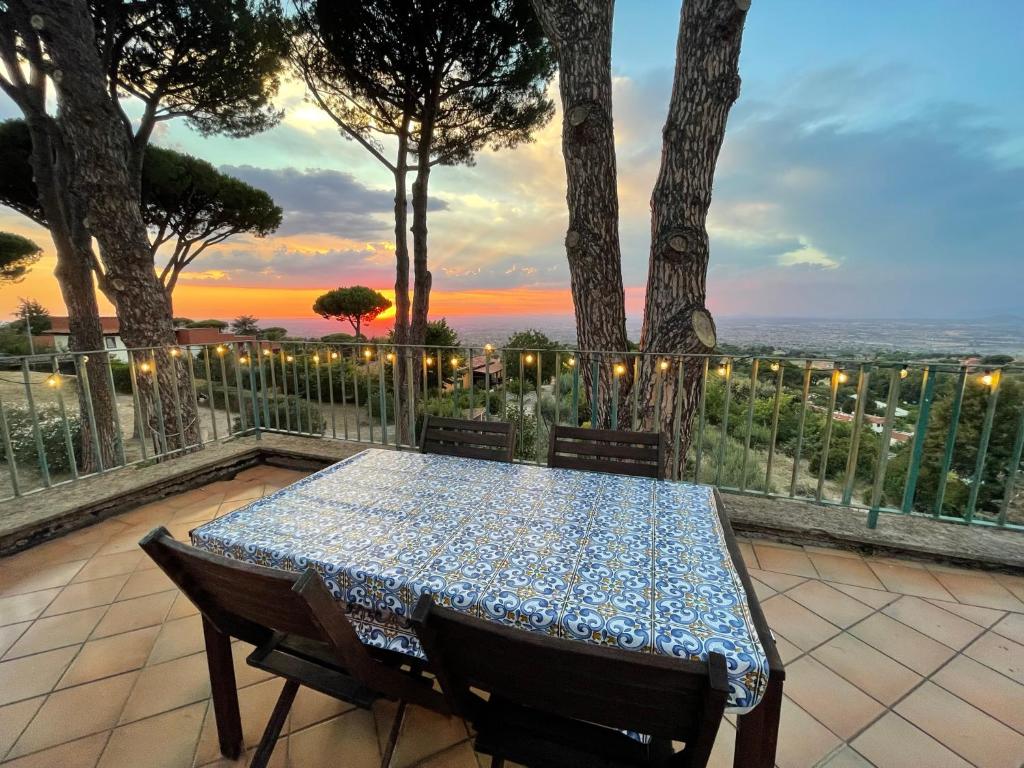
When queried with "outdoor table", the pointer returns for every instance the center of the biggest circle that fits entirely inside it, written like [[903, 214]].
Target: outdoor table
[[641, 564]]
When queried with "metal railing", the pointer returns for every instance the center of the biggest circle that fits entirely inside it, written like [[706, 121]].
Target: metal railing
[[942, 439]]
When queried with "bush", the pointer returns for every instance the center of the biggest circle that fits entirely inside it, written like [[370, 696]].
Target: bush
[[51, 426], [294, 411]]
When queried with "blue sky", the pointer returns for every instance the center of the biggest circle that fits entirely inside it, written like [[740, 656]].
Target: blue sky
[[873, 167]]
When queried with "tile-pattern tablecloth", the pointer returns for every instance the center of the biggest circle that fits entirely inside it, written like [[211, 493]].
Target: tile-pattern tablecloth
[[631, 562]]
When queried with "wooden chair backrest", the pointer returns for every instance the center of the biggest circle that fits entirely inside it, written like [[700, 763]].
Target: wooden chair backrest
[[252, 602], [607, 450], [662, 697], [494, 440]]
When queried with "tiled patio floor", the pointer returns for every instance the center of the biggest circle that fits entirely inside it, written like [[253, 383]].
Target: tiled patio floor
[[890, 663]]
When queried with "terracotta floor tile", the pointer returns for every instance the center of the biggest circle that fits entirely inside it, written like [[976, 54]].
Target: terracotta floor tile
[[803, 741], [164, 741], [779, 560], [762, 590], [846, 570], [75, 712], [168, 686], [1012, 627], [787, 651], [109, 656], [749, 557], [838, 705], [352, 734], [9, 635], [933, 621], [1013, 583], [312, 707], [831, 552], [797, 624], [723, 751], [908, 579], [846, 757], [181, 637], [127, 541], [33, 675], [104, 566], [150, 515], [14, 718], [181, 608], [892, 742], [34, 579], [870, 670], [246, 675], [985, 688], [142, 583], [134, 614], [828, 603], [780, 582], [461, 756], [1000, 653], [983, 617], [963, 728], [255, 703], [18, 608], [278, 758], [56, 632], [424, 733], [874, 597], [979, 589], [88, 594], [900, 642], [81, 753]]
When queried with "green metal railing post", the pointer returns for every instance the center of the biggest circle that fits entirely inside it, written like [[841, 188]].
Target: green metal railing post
[[883, 450], [118, 434], [920, 431], [209, 391], [69, 444], [723, 437], [44, 466], [679, 461], [595, 378], [947, 456], [699, 451], [801, 421], [986, 434], [90, 412], [252, 389], [778, 366], [615, 396], [575, 391], [750, 422], [12, 465], [826, 438], [863, 377], [1012, 469]]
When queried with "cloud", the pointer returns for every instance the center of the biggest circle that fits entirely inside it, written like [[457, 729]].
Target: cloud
[[808, 255]]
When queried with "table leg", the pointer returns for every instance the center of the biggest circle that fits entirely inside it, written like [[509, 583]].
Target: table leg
[[224, 690], [757, 732]]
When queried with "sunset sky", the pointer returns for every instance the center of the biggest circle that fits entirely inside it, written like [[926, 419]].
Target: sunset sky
[[873, 167]]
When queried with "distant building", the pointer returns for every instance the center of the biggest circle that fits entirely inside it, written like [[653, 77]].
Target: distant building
[[59, 336]]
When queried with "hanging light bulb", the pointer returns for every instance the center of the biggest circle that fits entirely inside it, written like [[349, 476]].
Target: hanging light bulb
[[488, 348], [175, 352], [316, 358], [987, 378], [663, 365], [904, 372], [774, 366], [243, 360], [842, 376], [391, 357], [290, 358], [53, 381], [620, 369], [145, 367], [528, 359], [221, 349], [571, 362], [723, 368], [367, 354], [334, 355], [429, 361], [455, 362]]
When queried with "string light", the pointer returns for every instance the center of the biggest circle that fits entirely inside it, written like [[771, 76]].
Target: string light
[[367, 354], [904, 372], [85, 358], [175, 352], [774, 366], [842, 376], [334, 355], [528, 359], [488, 348], [620, 369], [455, 362], [220, 349], [316, 358], [571, 362], [243, 360], [429, 361], [663, 365], [53, 381], [145, 367], [723, 368], [987, 378], [391, 357], [290, 359], [266, 353]]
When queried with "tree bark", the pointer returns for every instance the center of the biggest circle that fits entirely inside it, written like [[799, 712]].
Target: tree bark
[[676, 319], [401, 332], [421, 275], [581, 33], [104, 179]]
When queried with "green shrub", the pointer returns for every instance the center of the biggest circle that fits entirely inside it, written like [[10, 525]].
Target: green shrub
[[284, 412], [51, 427]]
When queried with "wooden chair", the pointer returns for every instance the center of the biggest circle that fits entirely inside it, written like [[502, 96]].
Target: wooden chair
[[300, 631], [607, 450], [556, 703], [494, 440]]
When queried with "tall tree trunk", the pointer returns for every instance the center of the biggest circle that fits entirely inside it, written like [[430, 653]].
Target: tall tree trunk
[[52, 168], [421, 275], [704, 88], [401, 332], [581, 32], [102, 150]]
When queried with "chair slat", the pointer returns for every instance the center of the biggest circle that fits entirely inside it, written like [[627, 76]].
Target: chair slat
[[469, 439], [612, 450], [605, 450], [608, 435], [465, 436]]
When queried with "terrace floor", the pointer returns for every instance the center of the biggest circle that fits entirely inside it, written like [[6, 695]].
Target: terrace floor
[[889, 662]]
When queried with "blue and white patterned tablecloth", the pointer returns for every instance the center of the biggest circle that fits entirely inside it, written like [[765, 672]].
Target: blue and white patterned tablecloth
[[625, 561]]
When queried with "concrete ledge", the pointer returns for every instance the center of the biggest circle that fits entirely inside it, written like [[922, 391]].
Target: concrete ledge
[[41, 516]]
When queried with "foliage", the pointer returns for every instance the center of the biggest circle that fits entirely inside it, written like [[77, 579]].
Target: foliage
[[181, 322], [51, 428], [528, 433], [17, 256], [35, 314], [245, 325], [218, 324], [213, 62], [530, 341], [273, 333], [357, 304], [12, 340], [839, 447], [731, 465], [338, 338], [295, 412]]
